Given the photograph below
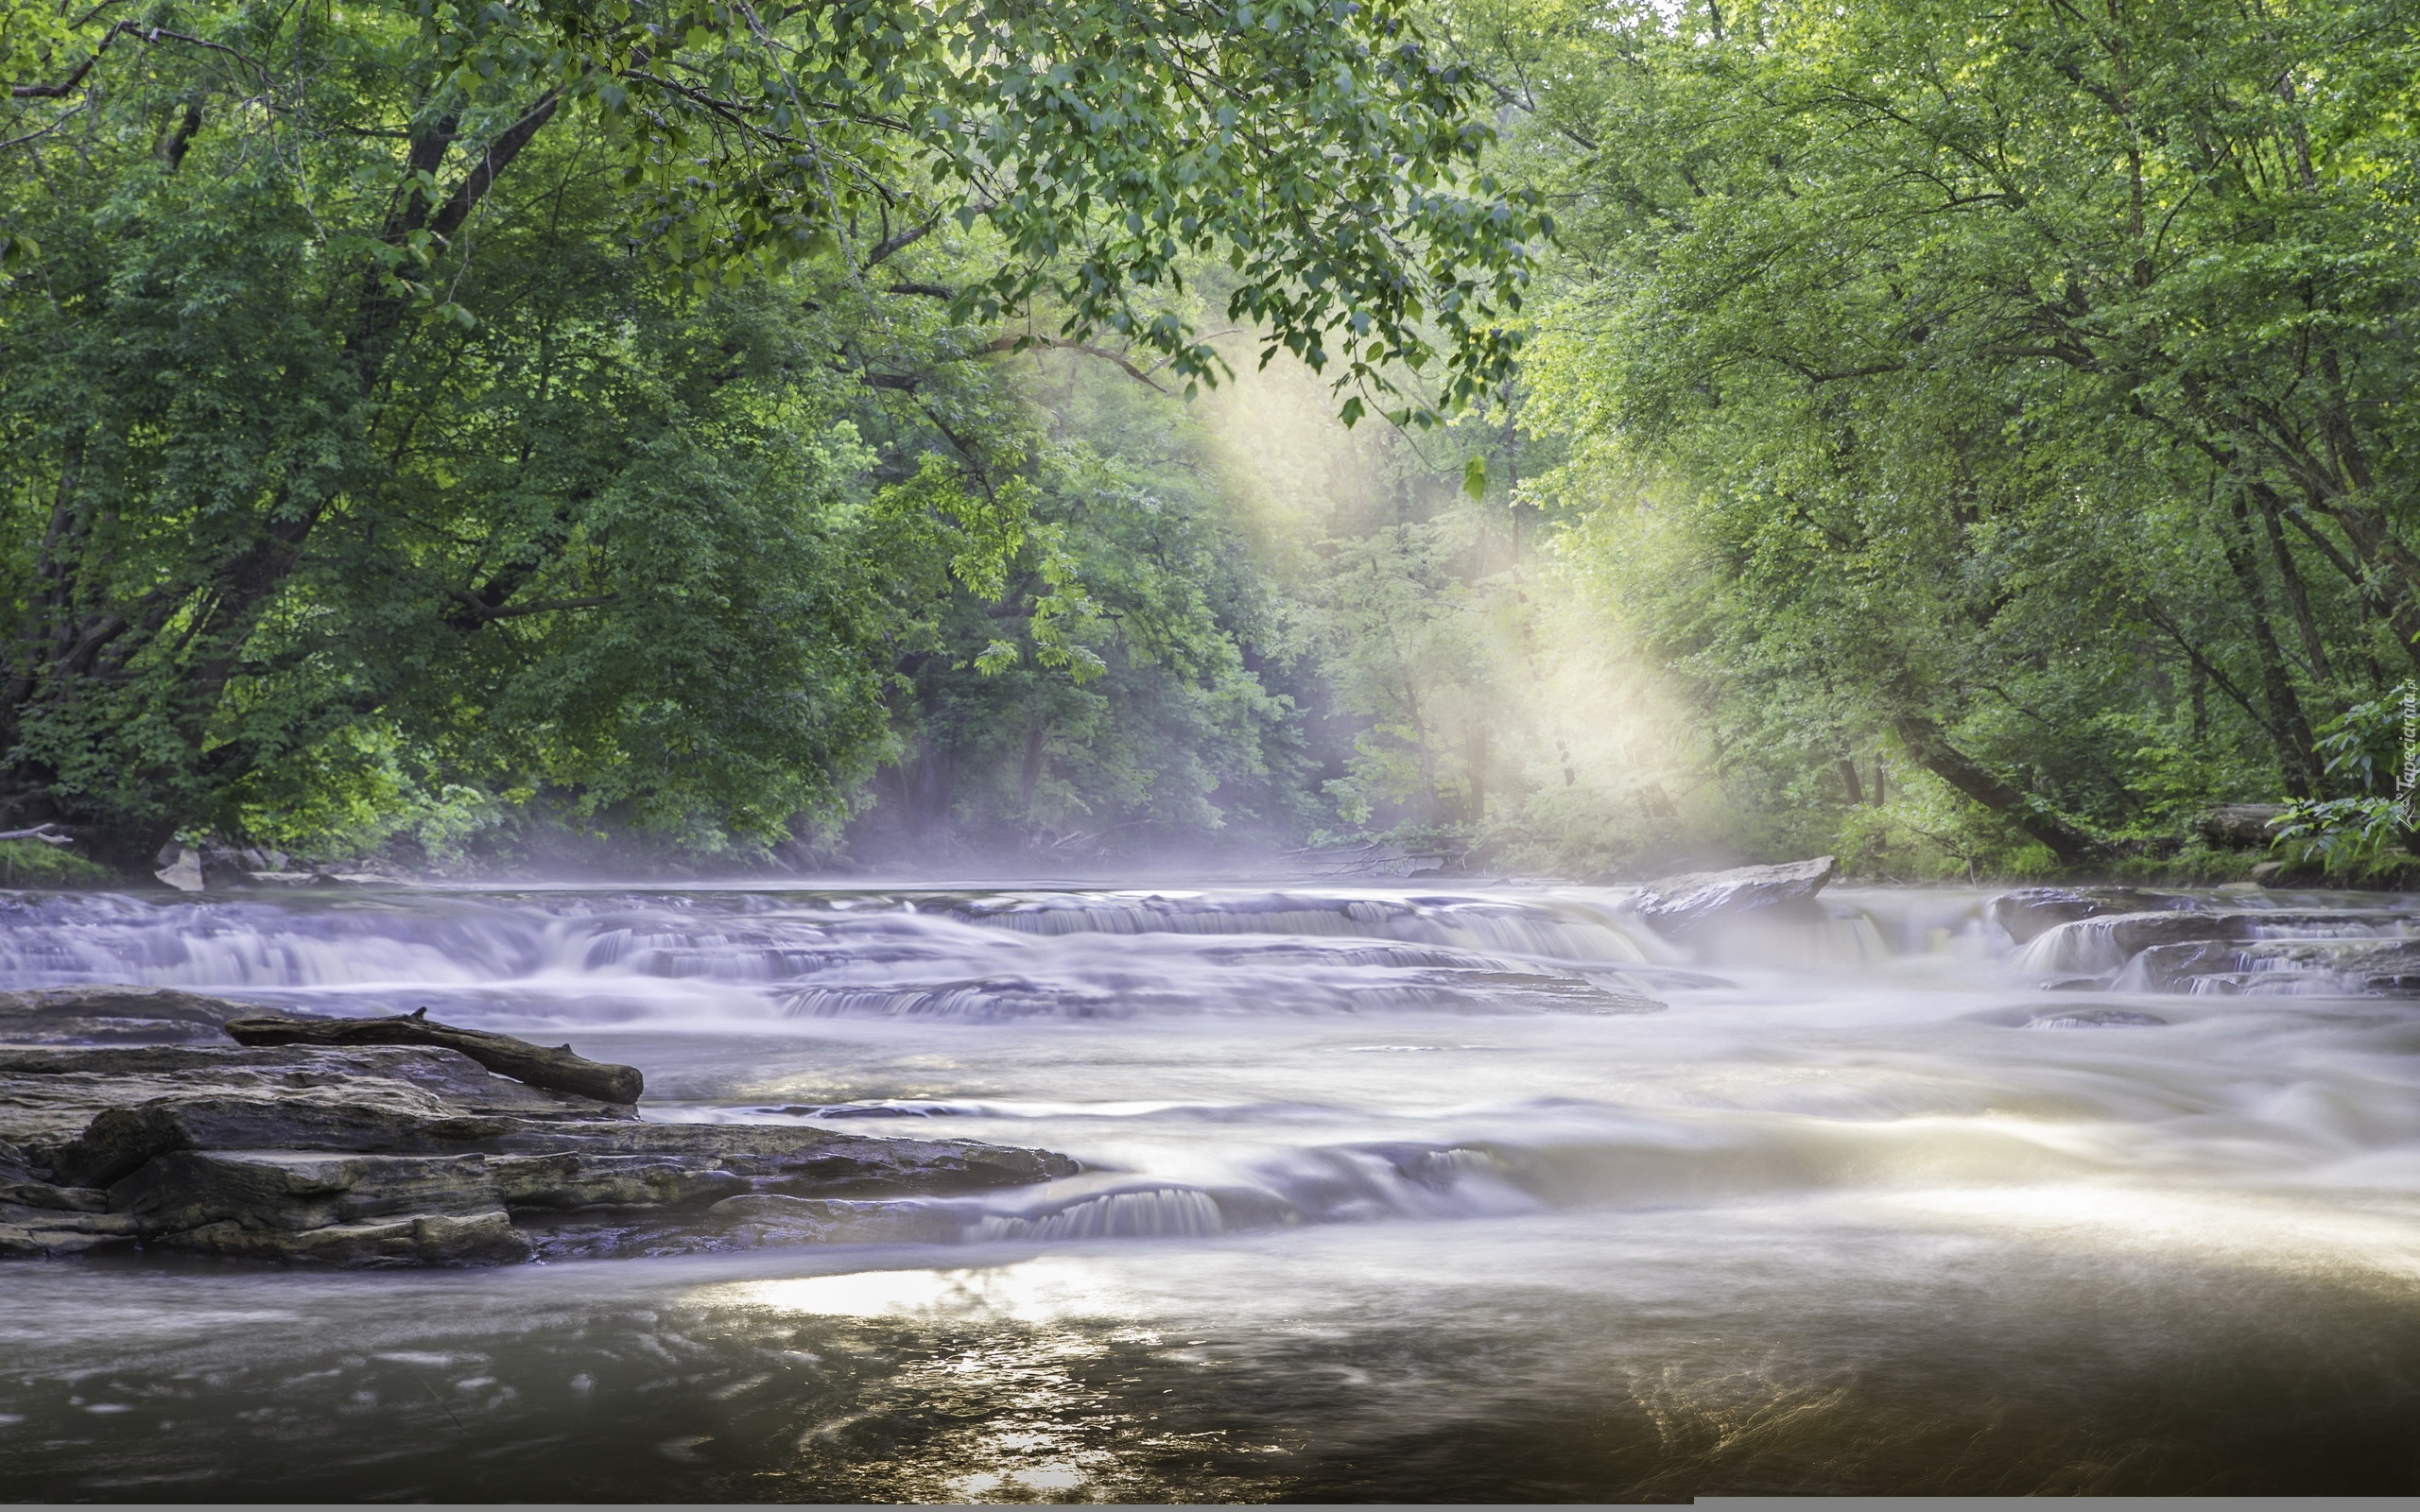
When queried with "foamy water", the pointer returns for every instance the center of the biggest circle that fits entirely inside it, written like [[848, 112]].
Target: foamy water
[[1391, 1194]]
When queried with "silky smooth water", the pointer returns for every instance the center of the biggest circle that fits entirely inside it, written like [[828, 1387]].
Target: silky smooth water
[[1394, 1193]]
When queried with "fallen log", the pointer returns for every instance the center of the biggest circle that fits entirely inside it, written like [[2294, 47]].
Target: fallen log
[[555, 1070]]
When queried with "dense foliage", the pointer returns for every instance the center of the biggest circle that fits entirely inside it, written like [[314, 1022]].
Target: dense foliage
[[1963, 438], [2019, 393], [435, 416]]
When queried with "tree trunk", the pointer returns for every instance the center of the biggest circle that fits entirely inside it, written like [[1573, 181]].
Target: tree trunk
[[2297, 765], [1849, 780], [2297, 596], [1929, 745]]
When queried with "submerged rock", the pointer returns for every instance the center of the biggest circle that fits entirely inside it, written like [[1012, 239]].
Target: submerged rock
[[2068, 1016], [2095, 1019], [1692, 904]]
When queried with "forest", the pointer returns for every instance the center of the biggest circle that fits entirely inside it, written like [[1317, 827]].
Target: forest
[[1552, 438]]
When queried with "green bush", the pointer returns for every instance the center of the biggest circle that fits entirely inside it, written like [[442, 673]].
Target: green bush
[[32, 864]]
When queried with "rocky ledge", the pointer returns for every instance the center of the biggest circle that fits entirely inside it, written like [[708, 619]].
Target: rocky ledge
[[1703, 909], [387, 1154], [2211, 944]]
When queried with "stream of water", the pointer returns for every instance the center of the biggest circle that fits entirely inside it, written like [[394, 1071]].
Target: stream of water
[[1486, 1194]]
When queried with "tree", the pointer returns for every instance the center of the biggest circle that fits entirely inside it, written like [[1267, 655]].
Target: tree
[[2031, 375], [547, 388]]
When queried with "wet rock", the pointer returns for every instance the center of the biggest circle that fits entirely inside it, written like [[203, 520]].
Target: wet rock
[[49, 1096], [2095, 1019], [774, 1219], [2342, 967], [367, 1114], [406, 1156], [2065, 1016], [573, 1181], [2114, 941], [114, 1014], [28, 1232], [1690, 905], [421, 1239], [805, 1161], [52, 1199], [2030, 911], [293, 1190], [2183, 967]]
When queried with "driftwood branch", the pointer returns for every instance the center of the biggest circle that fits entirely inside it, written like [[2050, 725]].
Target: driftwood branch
[[555, 1070], [47, 833]]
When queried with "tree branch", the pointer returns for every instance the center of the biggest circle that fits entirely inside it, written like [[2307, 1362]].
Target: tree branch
[[498, 157], [477, 612], [67, 85], [1019, 343]]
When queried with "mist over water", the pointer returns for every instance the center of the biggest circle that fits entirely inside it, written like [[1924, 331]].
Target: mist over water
[[1398, 1193]]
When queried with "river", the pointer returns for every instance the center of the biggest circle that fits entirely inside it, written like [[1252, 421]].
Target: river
[[1469, 1193]]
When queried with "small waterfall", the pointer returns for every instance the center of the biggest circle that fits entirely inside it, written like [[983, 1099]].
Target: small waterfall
[[2080, 946], [1162, 1213]]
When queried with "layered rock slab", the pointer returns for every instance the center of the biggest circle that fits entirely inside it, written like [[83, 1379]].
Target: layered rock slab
[[115, 1015], [2030, 912], [401, 1156]]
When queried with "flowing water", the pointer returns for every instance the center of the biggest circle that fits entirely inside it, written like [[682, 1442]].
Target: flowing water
[[1391, 1194]]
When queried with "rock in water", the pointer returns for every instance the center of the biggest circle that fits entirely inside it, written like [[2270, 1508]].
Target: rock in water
[[1686, 906], [409, 1155], [555, 1070], [2095, 1019], [114, 1014], [2031, 911]]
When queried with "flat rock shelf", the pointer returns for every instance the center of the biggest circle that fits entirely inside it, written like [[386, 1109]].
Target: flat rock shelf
[[369, 1155]]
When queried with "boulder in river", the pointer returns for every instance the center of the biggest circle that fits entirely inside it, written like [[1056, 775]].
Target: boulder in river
[[1690, 905], [2030, 911]]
